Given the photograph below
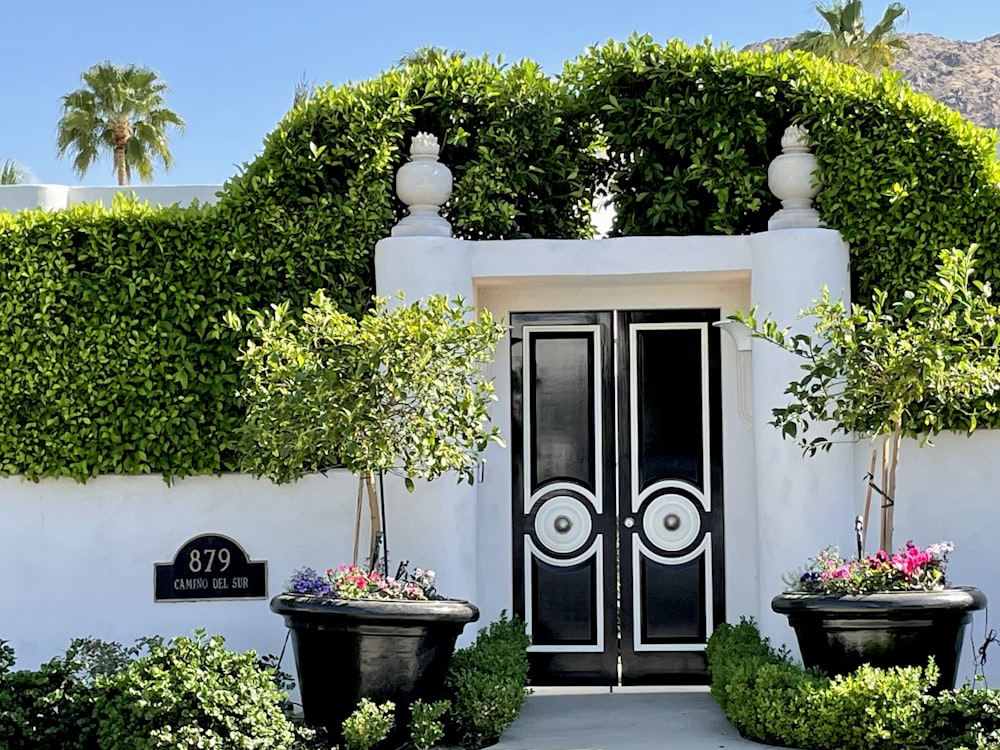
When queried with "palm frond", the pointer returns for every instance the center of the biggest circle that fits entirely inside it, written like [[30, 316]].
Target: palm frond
[[118, 106], [11, 173], [846, 40]]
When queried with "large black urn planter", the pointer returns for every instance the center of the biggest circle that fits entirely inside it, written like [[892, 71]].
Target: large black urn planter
[[896, 628], [348, 649]]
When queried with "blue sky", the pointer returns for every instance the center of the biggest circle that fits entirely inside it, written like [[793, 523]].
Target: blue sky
[[233, 65]]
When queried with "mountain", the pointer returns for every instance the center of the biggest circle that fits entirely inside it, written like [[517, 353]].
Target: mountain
[[963, 75]]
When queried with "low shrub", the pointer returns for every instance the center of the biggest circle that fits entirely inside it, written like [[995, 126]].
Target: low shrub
[[192, 693], [426, 725], [868, 708], [770, 699], [368, 725], [964, 719], [487, 683], [52, 707]]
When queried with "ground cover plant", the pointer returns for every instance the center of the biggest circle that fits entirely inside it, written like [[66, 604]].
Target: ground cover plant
[[771, 699], [115, 357]]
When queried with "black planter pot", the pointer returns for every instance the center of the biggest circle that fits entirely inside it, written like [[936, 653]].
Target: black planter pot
[[897, 628], [347, 649]]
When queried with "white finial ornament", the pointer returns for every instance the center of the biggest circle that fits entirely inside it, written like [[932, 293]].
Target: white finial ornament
[[424, 185], [793, 177]]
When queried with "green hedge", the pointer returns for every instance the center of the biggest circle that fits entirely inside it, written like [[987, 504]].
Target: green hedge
[[114, 353], [190, 692], [690, 133], [114, 357], [770, 699]]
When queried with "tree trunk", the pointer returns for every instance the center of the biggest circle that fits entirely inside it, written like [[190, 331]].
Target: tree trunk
[[120, 167], [890, 462], [376, 522], [122, 132], [357, 519], [897, 440]]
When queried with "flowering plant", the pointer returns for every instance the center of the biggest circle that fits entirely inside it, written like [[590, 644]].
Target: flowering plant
[[908, 569], [895, 367], [354, 582]]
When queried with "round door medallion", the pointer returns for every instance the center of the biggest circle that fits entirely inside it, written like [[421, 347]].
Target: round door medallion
[[563, 524], [671, 522]]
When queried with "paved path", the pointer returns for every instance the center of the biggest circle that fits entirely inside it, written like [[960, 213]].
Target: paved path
[[626, 719]]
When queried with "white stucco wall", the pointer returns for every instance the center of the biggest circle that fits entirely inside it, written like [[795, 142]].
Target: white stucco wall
[[948, 491], [52, 197], [77, 560]]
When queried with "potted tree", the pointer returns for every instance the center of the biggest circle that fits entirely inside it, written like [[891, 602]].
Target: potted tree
[[403, 390], [910, 367]]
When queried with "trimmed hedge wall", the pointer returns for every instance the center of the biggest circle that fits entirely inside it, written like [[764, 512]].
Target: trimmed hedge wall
[[115, 358], [690, 133], [114, 354]]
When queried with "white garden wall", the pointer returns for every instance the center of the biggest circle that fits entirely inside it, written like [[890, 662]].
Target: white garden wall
[[52, 197], [77, 560]]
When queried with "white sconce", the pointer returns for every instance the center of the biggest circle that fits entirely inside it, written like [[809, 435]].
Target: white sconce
[[739, 333]]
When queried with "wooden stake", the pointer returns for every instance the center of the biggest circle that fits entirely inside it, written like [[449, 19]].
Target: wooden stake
[[883, 520], [357, 519], [897, 439], [375, 519], [868, 496]]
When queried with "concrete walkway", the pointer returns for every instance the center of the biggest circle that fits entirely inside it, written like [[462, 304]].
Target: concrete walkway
[[626, 719]]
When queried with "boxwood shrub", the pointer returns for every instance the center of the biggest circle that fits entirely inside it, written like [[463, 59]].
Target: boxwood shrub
[[770, 699], [487, 683]]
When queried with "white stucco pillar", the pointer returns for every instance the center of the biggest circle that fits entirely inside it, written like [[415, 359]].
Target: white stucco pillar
[[421, 259], [803, 504], [420, 267]]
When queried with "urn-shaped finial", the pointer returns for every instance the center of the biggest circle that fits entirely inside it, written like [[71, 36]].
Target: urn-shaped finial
[[795, 140], [424, 144], [793, 177], [424, 185]]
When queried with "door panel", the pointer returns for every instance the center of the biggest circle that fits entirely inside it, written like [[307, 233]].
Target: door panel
[[564, 483], [617, 522], [670, 493]]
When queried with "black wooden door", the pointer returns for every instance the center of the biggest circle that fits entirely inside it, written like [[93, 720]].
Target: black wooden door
[[617, 502]]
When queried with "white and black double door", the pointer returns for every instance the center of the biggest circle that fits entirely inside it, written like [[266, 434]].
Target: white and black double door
[[617, 493]]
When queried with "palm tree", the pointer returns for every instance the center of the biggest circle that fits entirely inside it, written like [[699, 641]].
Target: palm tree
[[847, 42], [429, 55], [121, 110], [11, 173], [304, 91]]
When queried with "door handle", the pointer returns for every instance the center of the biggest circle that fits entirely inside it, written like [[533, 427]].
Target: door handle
[[629, 522]]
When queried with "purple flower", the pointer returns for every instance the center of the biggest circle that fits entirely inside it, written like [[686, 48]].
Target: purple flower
[[308, 581]]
